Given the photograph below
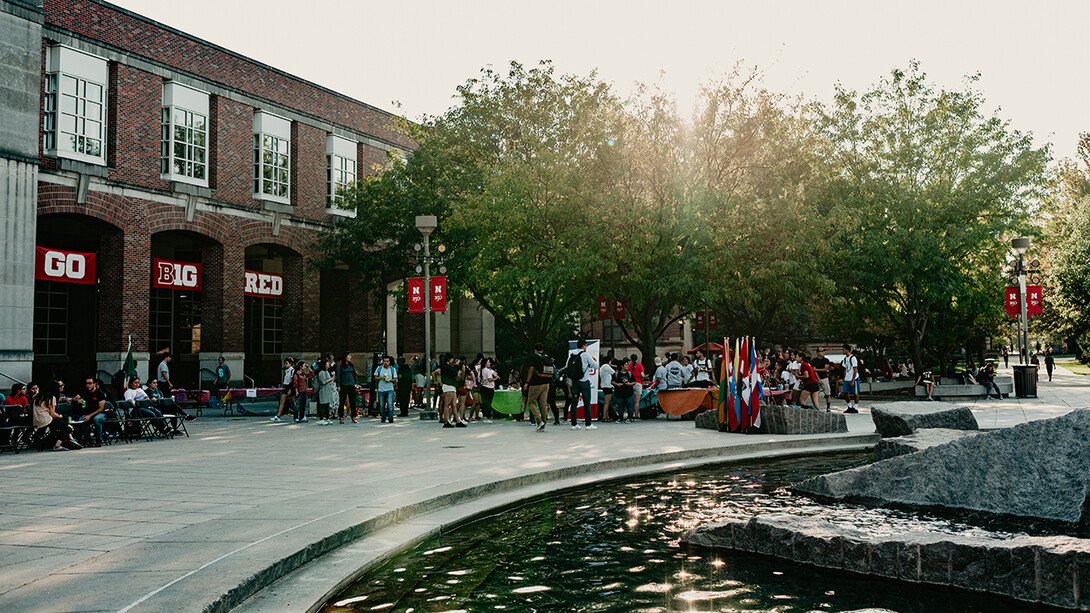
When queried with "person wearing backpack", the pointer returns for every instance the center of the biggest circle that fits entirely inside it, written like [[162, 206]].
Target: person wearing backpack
[[540, 373], [579, 370]]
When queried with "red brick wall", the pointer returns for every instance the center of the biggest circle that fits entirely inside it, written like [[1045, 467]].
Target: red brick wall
[[146, 38], [138, 115], [308, 171], [231, 151]]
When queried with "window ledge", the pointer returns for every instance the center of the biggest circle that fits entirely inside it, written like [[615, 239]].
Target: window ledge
[[269, 198], [187, 185], [84, 165], [341, 212]]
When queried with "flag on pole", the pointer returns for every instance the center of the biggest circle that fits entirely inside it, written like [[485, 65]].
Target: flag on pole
[[755, 387], [130, 365], [743, 383], [726, 408]]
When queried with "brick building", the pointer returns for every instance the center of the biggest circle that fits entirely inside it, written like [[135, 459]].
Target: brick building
[[157, 186]]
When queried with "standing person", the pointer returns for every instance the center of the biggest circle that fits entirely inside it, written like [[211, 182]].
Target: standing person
[[581, 362], [301, 381], [287, 389], [448, 374], [223, 378], [542, 373], [851, 379], [467, 391], [1006, 357], [810, 383], [636, 368], [404, 386], [325, 384], [384, 376], [926, 379], [687, 371], [487, 377], [473, 375], [347, 380], [822, 365], [163, 373], [702, 370], [675, 375], [1050, 362], [624, 385], [605, 382]]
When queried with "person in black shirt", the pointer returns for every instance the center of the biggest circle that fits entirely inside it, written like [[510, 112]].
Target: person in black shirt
[[540, 373], [822, 365], [1050, 362], [927, 379], [624, 392], [93, 401]]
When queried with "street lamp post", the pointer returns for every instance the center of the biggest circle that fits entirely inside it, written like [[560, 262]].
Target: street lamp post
[[427, 224], [1020, 246]]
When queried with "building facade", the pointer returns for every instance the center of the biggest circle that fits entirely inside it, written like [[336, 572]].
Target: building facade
[[159, 188]]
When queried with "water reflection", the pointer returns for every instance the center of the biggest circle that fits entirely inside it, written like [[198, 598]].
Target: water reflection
[[614, 547]]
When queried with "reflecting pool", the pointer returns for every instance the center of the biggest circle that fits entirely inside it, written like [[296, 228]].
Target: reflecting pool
[[614, 547]]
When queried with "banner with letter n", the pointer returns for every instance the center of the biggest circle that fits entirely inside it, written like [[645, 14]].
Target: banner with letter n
[[414, 287]]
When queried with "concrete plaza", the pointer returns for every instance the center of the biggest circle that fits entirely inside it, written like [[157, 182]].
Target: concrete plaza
[[287, 511]]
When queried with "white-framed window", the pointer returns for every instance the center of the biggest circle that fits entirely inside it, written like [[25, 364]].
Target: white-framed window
[[340, 170], [272, 158], [75, 105], [184, 154]]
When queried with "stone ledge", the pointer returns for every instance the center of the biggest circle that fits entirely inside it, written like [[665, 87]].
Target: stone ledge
[[1032, 569]]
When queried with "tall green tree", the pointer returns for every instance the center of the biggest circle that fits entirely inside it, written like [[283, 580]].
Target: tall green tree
[[929, 188], [1066, 239], [758, 167]]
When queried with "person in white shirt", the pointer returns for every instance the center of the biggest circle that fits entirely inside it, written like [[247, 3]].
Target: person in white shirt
[[850, 387], [163, 373], [488, 378], [658, 382], [605, 382], [702, 370], [581, 388], [686, 371]]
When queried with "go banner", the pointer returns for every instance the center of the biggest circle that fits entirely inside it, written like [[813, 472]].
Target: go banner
[[68, 266]]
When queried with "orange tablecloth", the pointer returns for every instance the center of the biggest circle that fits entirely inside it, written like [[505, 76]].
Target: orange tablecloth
[[683, 401]]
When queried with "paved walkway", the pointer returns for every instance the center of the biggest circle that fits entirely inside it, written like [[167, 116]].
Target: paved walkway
[[180, 525]]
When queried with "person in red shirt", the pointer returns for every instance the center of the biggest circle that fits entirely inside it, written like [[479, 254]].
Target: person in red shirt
[[811, 385], [636, 368], [17, 397]]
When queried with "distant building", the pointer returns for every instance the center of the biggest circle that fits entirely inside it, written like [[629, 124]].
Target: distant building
[[156, 185]]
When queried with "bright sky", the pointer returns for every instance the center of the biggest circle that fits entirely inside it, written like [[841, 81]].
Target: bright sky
[[416, 52]]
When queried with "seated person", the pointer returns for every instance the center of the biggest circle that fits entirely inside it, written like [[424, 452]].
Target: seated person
[[50, 428], [17, 397], [986, 377], [927, 379], [164, 404], [91, 410], [146, 410]]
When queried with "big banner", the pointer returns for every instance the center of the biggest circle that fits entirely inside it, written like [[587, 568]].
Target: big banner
[[594, 347], [175, 275]]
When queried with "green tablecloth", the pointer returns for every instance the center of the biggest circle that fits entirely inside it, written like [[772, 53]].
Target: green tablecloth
[[507, 401]]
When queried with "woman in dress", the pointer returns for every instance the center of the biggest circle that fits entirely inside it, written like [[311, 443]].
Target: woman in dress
[[488, 379], [325, 384]]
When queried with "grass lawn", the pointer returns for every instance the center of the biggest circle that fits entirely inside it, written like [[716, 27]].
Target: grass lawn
[[1076, 367]]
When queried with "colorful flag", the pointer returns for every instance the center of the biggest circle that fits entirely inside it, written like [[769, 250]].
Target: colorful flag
[[130, 365], [726, 407], [755, 388]]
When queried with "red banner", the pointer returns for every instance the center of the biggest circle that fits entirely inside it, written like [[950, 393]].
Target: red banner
[[618, 310], [175, 275], [1033, 300], [1012, 302], [438, 294], [698, 320], [713, 321], [415, 287], [264, 284], [603, 308], [60, 265]]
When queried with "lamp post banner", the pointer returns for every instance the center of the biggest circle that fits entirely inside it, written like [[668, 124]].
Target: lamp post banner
[[618, 310], [438, 294], [1033, 300], [603, 308], [415, 288], [1012, 302]]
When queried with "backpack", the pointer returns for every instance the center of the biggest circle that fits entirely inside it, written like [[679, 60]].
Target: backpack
[[574, 369]]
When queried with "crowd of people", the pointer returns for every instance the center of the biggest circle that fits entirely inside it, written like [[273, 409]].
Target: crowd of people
[[61, 422]]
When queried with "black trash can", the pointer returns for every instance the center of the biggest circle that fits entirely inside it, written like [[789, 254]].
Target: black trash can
[[1025, 381]]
